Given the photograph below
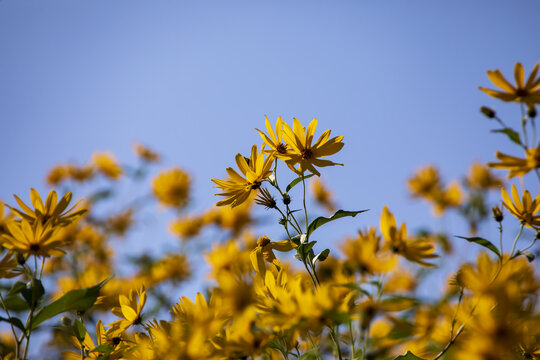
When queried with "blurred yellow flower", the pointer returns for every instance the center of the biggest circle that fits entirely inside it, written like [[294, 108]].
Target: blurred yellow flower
[[107, 165], [237, 189], [57, 174], [186, 226], [80, 173], [415, 250], [518, 166], [172, 187], [146, 153], [528, 92], [525, 209], [323, 196], [425, 182], [481, 178]]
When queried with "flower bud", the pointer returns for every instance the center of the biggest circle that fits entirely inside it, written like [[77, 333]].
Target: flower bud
[[489, 113], [66, 321], [20, 259], [497, 213], [531, 113], [286, 199]]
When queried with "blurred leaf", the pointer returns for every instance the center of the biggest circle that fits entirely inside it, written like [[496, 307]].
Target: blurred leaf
[[398, 303], [15, 303], [103, 348], [74, 300], [481, 241], [320, 221], [100, 195], [296, 181], [512, 135], [408, 356], [15, 321], [16, 288], [79, 330]]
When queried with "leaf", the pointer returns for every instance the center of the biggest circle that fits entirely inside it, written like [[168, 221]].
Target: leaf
[[320, 221], [355, 287], [103, 348], [512, 135], [397, 303], [16, 288], [481, 241], [275, 345], [34, 293], [15, 321], [79, 330], [15, 303], [408, 356], [74, 300], [321, 256], [296, 181], [530, 256], [304, 249]]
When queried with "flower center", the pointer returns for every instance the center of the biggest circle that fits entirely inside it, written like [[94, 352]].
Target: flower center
[[263, 241], [281, 148], [255, 185], [307, 154], [522, 92], [34, 248]]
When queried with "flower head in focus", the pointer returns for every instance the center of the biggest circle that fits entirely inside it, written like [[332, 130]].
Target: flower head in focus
[[275, 139], [525, 209], [305, 154], [265, 251], [527, 92], [130, 311], [32, 238], [237, 188]]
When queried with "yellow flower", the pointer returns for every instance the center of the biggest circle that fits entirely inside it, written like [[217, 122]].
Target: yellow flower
[[528, 92], [145, 153], [173, 267], [130, 311], [518, 166], [425, 182], [447, 198], [237, 189], [481, 178], [107, 165], [265, 251], [32, 239], [275, 139], [525, 210], [322, 195], [53, 211], [7, 265], [80, 173], [56, 175], [303, 153], [186, 226], [415, 250], [171, 187], [120, 223], [118, 350]]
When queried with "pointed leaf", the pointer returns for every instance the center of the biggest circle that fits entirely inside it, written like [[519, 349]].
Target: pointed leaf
[[296, 181], [481, 241], [323, 220], [15, 321], [74, 300], [512, 135], [530, 256], [103, 348], [79, 330], [408, 356], [321, 256]]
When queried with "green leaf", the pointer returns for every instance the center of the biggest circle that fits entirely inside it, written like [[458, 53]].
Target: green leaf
[[321, 256], [16, 288], [530, 256], [304, 249], [15, 321], [74, 300], [103, 348], [408, 356], [15, 303], [481, 241], [79, 330], [398, 303], [355, 287], [320, 221], [296, 181], [275, 345], [34, 293], [512, 135]]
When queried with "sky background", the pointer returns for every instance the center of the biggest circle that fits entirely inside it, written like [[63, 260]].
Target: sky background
[[193, 79]]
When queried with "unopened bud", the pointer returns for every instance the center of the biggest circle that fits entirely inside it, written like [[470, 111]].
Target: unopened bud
[[20, 259], [66, 321], [497, 213], [487, 112], [531, 113], [286, 199]]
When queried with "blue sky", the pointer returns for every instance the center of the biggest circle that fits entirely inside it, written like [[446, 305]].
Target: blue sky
[[192, 79]]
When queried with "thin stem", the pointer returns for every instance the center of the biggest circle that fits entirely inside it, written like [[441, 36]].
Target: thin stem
[[516, 239], [304, 200], [335, 340], [351, 334], [12, 327], [42, 266], [523, 125], [364, 343], [450, 343], [501, 239], [530, 245]]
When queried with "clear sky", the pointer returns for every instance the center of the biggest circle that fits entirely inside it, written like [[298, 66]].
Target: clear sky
[[193, 78]]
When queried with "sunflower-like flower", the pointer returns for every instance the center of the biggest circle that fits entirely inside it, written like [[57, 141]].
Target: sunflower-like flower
[[130, 310], [274, 140], [32, 238], [53, 211], [305, 154], [115, 346], [415, 250], [525, 209], [265, 251], [107, 165], [528, 92], [518, 166], [237, 189], [172, 187]]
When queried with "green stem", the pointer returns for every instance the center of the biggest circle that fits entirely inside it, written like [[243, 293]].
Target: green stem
[[523, 126], [516, 240], [351, 334], [12, 327], [335, 340], [304, 200]]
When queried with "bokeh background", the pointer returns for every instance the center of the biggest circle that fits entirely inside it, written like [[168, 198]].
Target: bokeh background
[[192, 79]]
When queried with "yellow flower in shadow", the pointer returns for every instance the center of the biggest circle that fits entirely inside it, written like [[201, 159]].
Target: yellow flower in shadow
[[525, 209], [518, 166]]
